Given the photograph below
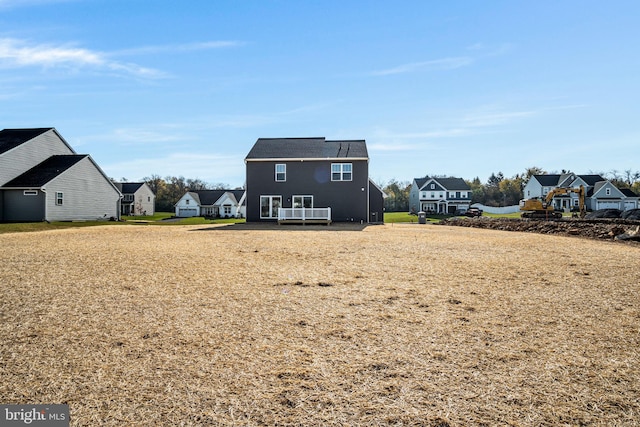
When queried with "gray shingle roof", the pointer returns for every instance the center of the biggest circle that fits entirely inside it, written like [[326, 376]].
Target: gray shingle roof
[[46, 171], [128, 187], [628, 192], [448, 184], [307, 148], [552, 180], [591, 179], [209, 197], [548, 180], [11, 138]]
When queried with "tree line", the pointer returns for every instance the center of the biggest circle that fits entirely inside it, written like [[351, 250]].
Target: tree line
[[499, 190], [170, 189]]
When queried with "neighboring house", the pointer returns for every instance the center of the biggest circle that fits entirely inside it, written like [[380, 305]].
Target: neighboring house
[[600, 193], [43, 179], [137, 198], [311, 179], [632, 200], [439, 195], [212, 203]]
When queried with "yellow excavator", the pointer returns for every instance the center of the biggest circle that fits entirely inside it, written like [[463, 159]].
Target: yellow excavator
[[543, 209]]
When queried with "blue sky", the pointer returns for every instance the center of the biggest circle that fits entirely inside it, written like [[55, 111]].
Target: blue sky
[[458, 88]]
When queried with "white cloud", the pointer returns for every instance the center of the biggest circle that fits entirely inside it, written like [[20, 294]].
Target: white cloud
[[436, 64], [16, 53], [177, 48]]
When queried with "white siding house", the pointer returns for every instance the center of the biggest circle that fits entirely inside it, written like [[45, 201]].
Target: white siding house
[[44, 180], [137, 198], [22, 149], [439, 195], [600, 193], [212, 203]]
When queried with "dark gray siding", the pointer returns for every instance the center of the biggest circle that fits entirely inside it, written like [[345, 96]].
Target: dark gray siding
[[376, 204], [347, 199], [18, 207]]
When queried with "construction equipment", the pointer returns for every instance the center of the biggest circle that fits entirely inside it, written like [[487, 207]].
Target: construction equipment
[[543, 209]]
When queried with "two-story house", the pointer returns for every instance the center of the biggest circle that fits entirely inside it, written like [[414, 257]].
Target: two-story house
[[439, 195], [137, 198], [43, 179], [600, 193], [311, 180]]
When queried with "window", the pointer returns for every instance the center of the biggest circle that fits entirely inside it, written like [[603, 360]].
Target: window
[[148, 198], [30, 192], [59, 198], [608, 191], [281, 172], [186, 202], [423, 194], [269, 206], [227, 210], [432, 186], [302, 201], [341, 171]]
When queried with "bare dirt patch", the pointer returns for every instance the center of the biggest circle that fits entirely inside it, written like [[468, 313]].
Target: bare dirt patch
[[385, 325]]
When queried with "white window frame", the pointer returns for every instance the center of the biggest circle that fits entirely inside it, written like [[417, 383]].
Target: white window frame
[[226, 210], [59, 198], [30, 193], [281, 172], [273, 212], [341, 171], [607, 191], [300, 202], [432, 186]]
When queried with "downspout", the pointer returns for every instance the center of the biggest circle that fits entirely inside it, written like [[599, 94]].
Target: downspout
[[44, 190]]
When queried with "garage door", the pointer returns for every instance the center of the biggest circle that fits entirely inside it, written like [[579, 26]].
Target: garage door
[[629, 205], [608, 205], [186, 212]]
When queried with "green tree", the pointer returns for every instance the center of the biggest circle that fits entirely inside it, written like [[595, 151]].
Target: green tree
[[511, 190], [397, 199], [477, 191]]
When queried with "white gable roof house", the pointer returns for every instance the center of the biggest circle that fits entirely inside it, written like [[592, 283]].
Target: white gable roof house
[[43, 179], [600, 192], [439, 195], [212, 203]]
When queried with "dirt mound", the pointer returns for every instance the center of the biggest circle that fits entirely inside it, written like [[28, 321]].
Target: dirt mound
[[598, 229], [604, 213], [631, 214]]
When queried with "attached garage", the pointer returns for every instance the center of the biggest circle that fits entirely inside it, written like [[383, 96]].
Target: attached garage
[[187, 212], [603, 204]]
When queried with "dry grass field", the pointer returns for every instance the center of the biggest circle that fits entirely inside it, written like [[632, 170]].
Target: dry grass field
[[404, 325]]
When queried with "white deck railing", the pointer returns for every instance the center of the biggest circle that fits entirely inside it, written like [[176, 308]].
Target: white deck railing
[[304, 214]]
